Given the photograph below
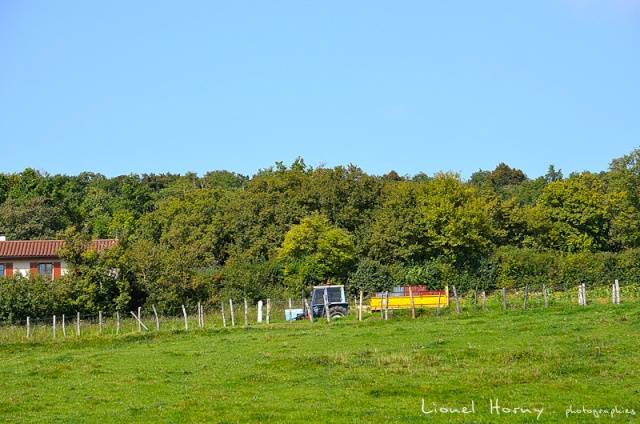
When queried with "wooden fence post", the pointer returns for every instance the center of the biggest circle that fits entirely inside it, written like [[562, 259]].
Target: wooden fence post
[[259, 319], [268, 310], [580, 295], [484, 300], [546, 296], [64, 328], [137, 318], [455, 295], [246, 312], [224, 319], [117, 322], [526, 294], [233, 318], [360, 307], [386, 306], [140, 318], [580, 298], [100, 321], [155, 313], [28, 327], [186, 319], [325, 297], [78, 321], [413, 305], [504, 298], [309, 311], [54, 326], [290, 312]]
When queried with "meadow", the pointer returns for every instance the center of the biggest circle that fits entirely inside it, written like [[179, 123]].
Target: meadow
[[559, 364]]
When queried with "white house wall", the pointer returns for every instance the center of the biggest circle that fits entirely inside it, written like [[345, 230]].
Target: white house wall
[[24, 267]]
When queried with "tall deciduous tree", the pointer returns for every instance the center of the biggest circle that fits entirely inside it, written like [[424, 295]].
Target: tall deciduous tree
[[624, 188], [314, 251], [456, 223], [578, 210]]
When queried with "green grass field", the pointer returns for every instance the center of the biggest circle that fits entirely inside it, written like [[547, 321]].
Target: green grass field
[[372, 371]]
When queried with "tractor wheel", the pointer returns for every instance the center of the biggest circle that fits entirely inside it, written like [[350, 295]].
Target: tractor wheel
[[338, 312]]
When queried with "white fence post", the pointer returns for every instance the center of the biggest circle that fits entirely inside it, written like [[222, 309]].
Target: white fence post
[[155, 313], [290, 312], [326, 306], [186, 319], [268, 310]]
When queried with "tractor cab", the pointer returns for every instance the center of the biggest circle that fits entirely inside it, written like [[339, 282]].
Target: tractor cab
[[336, 300]]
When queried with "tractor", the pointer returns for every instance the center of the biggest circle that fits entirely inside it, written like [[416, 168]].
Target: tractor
[[336, 301]]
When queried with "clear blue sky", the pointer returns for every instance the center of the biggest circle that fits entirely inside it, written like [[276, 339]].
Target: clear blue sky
[[120, 87]]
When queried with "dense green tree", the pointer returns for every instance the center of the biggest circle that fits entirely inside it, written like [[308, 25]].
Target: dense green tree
[[624, 189], [93, 273], [315, 251], [552, 175], [397, 234], [455, 221], [579, 213], [370, 276], [31, 218], [504, 176]]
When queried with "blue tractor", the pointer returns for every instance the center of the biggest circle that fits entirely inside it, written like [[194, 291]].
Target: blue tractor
[[336, 302]]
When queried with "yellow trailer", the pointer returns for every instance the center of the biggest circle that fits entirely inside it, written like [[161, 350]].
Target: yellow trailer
[[424, 299]]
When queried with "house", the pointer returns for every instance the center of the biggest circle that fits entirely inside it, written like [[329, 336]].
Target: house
[[37, 257]]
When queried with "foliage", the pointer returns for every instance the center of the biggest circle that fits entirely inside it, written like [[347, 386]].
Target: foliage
[[315, 251], [187, 237]]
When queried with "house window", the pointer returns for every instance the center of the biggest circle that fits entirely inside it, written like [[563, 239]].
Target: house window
[[45, 270], [3, 270]]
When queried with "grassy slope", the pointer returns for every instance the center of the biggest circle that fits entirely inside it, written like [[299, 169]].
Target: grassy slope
[[373, 371]]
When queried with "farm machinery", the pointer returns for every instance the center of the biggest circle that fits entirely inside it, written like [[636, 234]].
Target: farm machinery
[[323, 298]]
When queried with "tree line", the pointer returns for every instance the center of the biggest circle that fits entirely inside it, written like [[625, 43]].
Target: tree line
[[190, 238]]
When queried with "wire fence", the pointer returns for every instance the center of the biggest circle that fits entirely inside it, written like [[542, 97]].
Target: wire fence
[[229, 314]]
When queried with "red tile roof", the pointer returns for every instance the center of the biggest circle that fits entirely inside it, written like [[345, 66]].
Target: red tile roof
[[42, 248]]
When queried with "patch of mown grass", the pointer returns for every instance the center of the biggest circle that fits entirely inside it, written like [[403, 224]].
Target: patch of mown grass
[[346, 371]]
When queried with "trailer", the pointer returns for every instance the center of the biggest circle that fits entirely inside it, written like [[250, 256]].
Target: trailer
[[400, 298]]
